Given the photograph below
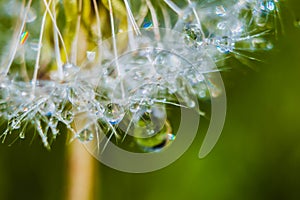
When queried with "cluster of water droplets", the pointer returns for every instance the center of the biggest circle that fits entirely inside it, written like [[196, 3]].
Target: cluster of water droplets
[[128, 93], [235, 26]]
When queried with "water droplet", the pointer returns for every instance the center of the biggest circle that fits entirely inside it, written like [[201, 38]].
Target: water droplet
[[220, 11], [70, 69], [270, 5], [114, 113], [221, 25], [267, 5], [68, 116], [86, 135], [225, 44], [147, 24], [15, 123], [134, 107], [22, 135], [202, 94], [91, 55], [159, 141], [150, 121], [48, 108], [260, 43], [31, 16], [193, 34]]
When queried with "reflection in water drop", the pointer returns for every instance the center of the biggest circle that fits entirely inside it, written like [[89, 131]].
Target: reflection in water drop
[[159, 141], [114, 113], [31, 16], [86, 135]]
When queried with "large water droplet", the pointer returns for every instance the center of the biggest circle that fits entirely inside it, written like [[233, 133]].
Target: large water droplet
[[193, 35], [86, 135], [114, 113], [150, 121], [159, 141]]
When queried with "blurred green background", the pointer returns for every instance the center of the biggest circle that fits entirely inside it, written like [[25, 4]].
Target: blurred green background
[[257, 156]]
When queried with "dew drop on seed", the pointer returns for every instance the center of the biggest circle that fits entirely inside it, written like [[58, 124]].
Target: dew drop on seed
[[221, 25], [150, 122], [48, 108], [86, 135], [114, 113], [15, 123], [31, 16], [91, 55], [135, 107], [202, 94], [22, 134], [220, 11], [159, 141], [68, 116], [69, 72]]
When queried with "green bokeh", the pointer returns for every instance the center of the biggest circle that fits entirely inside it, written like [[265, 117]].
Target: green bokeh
[[257, 156]]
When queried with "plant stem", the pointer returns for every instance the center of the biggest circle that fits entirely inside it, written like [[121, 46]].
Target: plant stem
[[81, 173]]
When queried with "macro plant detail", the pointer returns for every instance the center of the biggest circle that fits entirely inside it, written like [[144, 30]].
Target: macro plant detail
[[114, 68]]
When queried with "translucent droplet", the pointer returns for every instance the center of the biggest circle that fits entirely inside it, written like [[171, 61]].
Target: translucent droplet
[[15, 123], [221, 25], [22, 135], [147, 24], [225, 44], [158, 142], [114, 113], [68, 116], [150, 122], [193, 34], [86, 135], [91, 55], [267, 5], [270, 5], [31, 16], [220, 11], [70, 70], [48, 108], [202, 94], [135, 107], [260, 43]]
